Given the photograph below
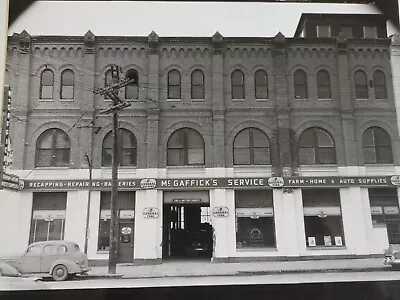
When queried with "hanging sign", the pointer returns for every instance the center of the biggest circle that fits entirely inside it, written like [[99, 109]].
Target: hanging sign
[[220, 211], [151, 213]]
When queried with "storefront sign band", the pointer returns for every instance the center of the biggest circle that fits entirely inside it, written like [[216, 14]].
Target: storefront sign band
[[215, 183]]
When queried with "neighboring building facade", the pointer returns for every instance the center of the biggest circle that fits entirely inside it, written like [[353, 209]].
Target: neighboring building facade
[[269, 147]]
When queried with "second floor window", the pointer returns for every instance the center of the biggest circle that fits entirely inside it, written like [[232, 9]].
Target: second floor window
[[377, 147], [107, 81], [53, 149], [174, 84], [197, 84], [46, 84], [127, 147], [300, 85], [185, 147], [316, 146], [132, 89], [361, 85], [324, 85], [237, 82], [251, 147], [261, 84], [67, 84], [379, 85], [323, 31], [370, 32]]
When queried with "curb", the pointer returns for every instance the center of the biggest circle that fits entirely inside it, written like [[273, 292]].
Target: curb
[[243, 273]]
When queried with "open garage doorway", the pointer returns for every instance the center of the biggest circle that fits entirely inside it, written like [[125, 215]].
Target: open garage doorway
[[187, 229]]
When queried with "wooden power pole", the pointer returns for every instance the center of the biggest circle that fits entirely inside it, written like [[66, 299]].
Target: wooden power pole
[[112, 92]]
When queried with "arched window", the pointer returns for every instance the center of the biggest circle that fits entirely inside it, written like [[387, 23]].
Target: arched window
[[107, 81], [185, 147], [324, 84], [174, 84], [377, 147], [46, 84], [67, 84], [361, 85], [261, 84], [237, 81], [379, 85], [300, 84], [127, 146], [53, 149], [316, 146], [251, 147], [197, 84], [132, 89]]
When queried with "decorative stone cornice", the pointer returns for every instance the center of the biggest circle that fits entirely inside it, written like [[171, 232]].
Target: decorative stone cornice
[[24, 42], [89, 41], [279, 44], [217, 42], [153, 41]]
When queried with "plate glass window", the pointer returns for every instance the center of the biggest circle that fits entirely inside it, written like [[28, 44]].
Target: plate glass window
[[370, 32], [174, 84], [48, 216], [322, 218], [237, 81], [361, 85], [379, 85], [300, 84], [53, 149], [261, 84], [46, 84], [324, 84], [197, 84], [347, 31], [255, 224], [384, 206], [323, 31], [316, 146], [67, 84], [185, 147], [132, 89], [127, 146], [251, 147], [377, 147]]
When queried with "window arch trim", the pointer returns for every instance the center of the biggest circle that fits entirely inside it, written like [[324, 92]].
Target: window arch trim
[[174, 88], [67, 89]]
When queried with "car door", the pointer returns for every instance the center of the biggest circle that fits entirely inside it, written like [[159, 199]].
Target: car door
[[51, 253], [30, 261]]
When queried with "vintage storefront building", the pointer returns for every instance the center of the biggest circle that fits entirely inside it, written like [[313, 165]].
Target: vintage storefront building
[[258, 148]]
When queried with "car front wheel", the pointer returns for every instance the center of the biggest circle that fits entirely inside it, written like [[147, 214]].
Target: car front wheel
[[60, 273]]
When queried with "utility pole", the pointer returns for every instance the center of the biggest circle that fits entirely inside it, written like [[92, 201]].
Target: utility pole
[[112, 92], [89, 162]]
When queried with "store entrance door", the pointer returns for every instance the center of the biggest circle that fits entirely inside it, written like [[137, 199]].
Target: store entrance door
[[125, 243]]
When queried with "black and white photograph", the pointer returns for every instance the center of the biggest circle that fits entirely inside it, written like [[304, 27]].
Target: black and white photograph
[[179, 150]]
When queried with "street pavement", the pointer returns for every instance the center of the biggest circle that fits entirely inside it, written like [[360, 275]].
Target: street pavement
[[200, 267]]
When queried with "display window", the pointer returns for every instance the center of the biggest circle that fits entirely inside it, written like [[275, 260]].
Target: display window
[[48, 217], [384, 205], [255, 224], [126, 208], [323, 218]]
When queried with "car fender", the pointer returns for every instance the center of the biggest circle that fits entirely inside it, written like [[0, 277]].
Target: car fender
[[72, 267]]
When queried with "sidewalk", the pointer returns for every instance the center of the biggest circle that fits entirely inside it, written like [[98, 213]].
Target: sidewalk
[[196, 268]]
